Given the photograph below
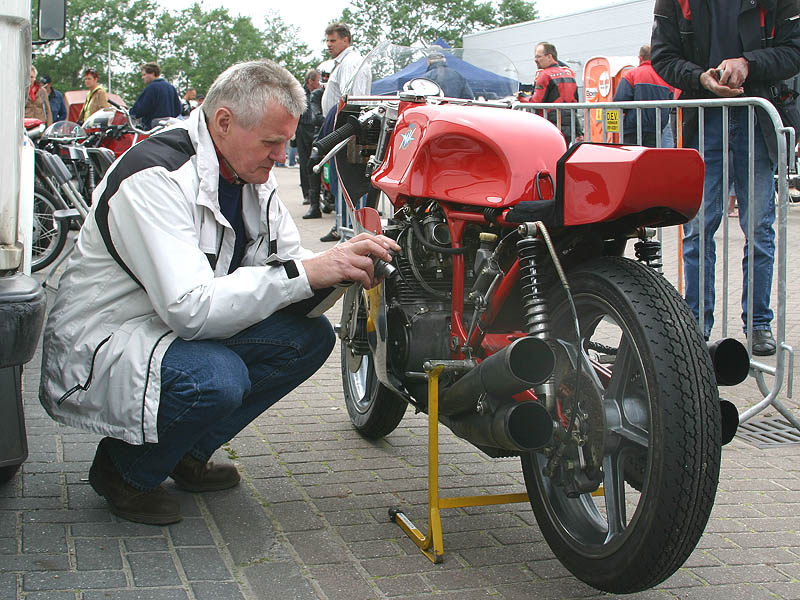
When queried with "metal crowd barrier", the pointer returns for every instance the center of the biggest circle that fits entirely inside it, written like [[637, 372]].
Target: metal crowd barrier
[[611, 118]]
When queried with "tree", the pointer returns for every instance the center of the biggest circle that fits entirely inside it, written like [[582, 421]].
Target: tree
[[91, 25], [407, 22], [192, 46]]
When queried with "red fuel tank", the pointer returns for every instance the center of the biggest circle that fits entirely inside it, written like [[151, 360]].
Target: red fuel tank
[[482, 156]]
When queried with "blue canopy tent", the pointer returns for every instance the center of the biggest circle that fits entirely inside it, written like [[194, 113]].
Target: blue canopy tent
[[483, 83]]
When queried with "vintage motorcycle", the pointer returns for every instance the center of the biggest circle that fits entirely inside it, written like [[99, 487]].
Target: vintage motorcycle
[[559, 349]]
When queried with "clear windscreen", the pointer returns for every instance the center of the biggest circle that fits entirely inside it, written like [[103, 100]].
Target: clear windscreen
[[460, 73]]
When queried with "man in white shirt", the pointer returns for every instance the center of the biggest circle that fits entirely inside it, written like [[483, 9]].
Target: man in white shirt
[[346, 60]]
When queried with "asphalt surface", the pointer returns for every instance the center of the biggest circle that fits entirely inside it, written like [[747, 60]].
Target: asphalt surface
[[309, 520]]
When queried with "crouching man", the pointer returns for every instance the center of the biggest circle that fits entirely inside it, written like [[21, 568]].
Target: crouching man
[[184, 312]]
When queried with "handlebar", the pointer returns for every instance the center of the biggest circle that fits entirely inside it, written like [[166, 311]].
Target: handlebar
[[133, 127], [332, 142]]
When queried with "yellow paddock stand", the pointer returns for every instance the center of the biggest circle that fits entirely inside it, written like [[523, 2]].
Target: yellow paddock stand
[[432, 544]]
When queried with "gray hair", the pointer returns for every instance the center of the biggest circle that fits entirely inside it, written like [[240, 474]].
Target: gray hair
[[247, 87]]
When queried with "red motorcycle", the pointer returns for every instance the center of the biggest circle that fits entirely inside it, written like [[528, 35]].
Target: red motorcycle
[[586, 364]]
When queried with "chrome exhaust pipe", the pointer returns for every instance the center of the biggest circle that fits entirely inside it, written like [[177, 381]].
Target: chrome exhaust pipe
[[730, 361], [521, 365], [518, 426]]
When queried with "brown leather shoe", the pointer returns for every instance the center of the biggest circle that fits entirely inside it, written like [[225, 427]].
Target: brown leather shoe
[[195, 475], [153, 507]]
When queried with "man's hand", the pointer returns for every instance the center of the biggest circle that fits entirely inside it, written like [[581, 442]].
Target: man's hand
[[349, 261], [734, 72], [709, 81]]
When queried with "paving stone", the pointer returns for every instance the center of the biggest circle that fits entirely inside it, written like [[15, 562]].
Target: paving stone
[[191, 532], [153, 569], [50, 596], [279, 580], [203, 564], [739, 574], [318, 547], [35, 562], [8, 545], [72, 580], [403, 585], [115, 528], [278, 489], [341, 582], [44, 537], [8, 585], [296, 516], [147, 594], [216, 590], [41, 484], [239, 517], [97, 553], [65, 515], [146, 544], [8, 524]]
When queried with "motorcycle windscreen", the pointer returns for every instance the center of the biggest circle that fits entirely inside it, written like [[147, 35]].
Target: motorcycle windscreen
[[605, 183]]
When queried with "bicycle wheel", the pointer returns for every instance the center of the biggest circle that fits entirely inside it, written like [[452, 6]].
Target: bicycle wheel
[[49, 234]]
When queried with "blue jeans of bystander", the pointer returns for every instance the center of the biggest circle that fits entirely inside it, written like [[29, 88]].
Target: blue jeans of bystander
[[212, 389], [715, 199]]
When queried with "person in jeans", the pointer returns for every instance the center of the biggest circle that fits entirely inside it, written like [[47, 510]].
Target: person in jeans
[[716, 50], [189, 306]]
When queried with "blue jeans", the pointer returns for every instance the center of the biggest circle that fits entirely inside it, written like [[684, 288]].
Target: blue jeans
[[212, 389], [715, 199]]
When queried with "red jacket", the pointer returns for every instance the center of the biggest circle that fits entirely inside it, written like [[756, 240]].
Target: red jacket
[[643, 83]]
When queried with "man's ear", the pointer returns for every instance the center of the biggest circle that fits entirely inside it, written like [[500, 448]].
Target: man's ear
[[223, 120]]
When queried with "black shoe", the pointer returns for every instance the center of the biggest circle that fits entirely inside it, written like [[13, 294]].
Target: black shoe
[[331, 236], [306, 202], [153, 507], [763, 343], [313, 213], [194, 475]]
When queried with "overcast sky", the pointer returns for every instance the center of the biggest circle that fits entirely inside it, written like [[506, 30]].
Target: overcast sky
[[311, 16]]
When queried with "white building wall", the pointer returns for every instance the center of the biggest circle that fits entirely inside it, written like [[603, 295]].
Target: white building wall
[[617, 30]]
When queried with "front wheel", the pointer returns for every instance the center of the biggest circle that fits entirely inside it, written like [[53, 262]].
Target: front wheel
[[623, 499], [375, 411], [49, 233]]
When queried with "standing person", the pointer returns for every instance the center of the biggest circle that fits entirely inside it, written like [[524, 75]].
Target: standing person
[[555, 82], [96, 98], [643, 83], [158, 100], [309, 124], [188, 102], [453, 83], [346, 60], [57, 105], [203, 321], [709, 50], [37, 105]]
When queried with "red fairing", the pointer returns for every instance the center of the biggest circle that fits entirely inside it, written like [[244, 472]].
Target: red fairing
[[603, 183], [468, 155]]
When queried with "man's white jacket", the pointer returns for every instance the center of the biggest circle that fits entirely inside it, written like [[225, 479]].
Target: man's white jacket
[[151, 264]]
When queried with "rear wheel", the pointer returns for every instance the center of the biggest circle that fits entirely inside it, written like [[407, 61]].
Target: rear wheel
[[375, 410], [645, 431], [49, 233]]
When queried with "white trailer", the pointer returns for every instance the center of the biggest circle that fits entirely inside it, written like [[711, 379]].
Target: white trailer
[[616, 30], [22, 300]]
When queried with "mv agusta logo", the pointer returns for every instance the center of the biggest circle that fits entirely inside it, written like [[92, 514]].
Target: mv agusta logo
[[407, 136]]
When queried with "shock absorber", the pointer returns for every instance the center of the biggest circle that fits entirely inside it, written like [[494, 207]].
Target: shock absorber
[[532, 252], [648, 250]]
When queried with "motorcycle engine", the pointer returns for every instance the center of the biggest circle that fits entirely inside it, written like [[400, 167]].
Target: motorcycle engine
[[419, 302]]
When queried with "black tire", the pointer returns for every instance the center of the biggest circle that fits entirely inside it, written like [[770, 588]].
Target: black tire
[[658, 406], [375, 411], [7, 473], [49, 234]]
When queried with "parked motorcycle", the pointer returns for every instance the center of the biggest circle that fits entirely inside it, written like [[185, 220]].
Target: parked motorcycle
[[557, 348]]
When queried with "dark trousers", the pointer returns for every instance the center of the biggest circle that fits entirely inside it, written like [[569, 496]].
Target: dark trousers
[[304, 136]]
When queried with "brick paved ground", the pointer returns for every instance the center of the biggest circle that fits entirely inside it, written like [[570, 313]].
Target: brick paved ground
[[309, 520]]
